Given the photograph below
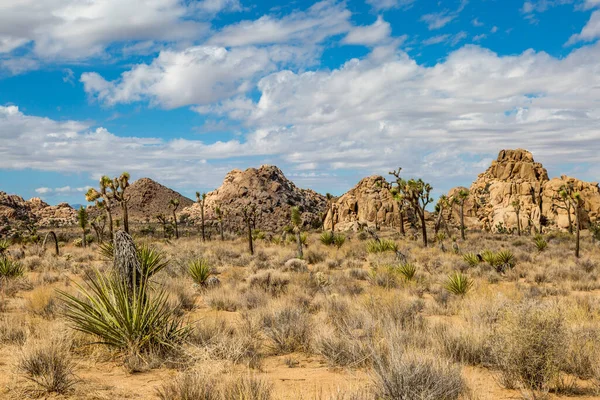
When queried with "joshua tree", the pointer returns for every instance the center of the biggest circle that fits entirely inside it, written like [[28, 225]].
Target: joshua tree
[[201, 199], [297, 226], [442, 205], [330, 199], [562, 201], [174, 205], [49, 234], [417, 195], [98, 225], [517, 207], [397, 195], [460, 198], [102, 198], [163, 220], [574, 198], [249, 214], [82, 219], [118, 187], [219, 214]]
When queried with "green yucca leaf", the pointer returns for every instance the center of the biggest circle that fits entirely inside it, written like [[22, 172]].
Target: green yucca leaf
[[408, 271], [200, 271], [10, 268], [458, 284], [374, 246], [327, 238]]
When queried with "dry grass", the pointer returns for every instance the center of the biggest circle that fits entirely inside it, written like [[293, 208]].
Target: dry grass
[[527, 326]]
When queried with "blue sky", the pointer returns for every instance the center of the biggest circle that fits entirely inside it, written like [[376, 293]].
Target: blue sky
[[184, 91]]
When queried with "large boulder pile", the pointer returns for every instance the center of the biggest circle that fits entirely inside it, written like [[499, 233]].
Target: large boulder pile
[[555, 212], [269, 190], [369, 201], [515, 177], [14, 210]]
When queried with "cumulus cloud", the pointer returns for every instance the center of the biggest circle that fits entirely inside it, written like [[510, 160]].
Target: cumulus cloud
[[369, 35], [371, 114], [75, 29], [320, 21], [590, 32], [61, 191], [387, 4]]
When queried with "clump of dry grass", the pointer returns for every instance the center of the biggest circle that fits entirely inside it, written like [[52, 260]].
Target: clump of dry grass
[[273, 282], [42, 302], [287, 328], [13, 330], [49, 366]]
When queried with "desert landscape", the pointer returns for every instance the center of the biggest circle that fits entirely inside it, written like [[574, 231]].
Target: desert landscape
[[264, 290]]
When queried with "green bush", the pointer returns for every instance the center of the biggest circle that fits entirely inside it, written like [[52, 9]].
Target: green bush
[[471, 259], [327, 238], [200, 271], [10, 269], [540, 243], [458, 284], [407, 270], [383, 245]]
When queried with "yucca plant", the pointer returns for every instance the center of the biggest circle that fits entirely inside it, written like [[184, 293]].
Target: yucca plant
[[339, 240], [131, 321], [200, 271], [471, 259], [505, 258], [489, 257], [540, 243], [407, 270], [151, 260], [458, 284], [4, 244], [327, 238], [374, 246], [10, 268]]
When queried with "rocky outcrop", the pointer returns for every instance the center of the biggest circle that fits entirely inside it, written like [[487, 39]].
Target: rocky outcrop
[[555, 212], [269, 190], [15, 210], [147, 198], [369, 201], [515, 177]]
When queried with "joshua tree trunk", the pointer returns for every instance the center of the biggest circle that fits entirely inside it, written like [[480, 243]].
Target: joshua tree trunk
[[175, 225], [202, 221], [462, 220], [53, 235], [570, 222], [221, 229], [578, 227], [332, 219], [126, 262], [110, 223], [423, 226], [83, 244], [299, 242], [402, 232], [250, 244]]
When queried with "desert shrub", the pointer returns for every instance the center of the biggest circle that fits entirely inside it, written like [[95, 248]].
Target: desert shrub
[[529, 346], [49, 366], [288, 329], [339, 240], [471, 259], [12, 330], [222, 300], [41, 301], [136, 322], [327, 238], [296, 264], [341, 348], [586, 264], [248, 388], [10, 268], [334, 264], [272, 282], [200, 270], [383, 245], [190, 385], [314, 256], [583, 352], [358, 273], [540, 243], [407, 271], [506, 258], [458, 284], [467, 346], [385, 276], [402, 375]]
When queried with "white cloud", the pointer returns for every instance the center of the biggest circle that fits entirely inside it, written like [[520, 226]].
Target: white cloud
[[589, 4], [61, 191], [494, 29], [590, 32], [440, 19], [446, 38], [478, 38], [387, 4], [369, 115], [76, 29], [368, 35], [320, 21], [477, 23], [43, 190], [216, 6]]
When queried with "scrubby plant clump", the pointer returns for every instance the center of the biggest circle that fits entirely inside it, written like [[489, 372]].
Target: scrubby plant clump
[[458, 284], [380, 246], [10, 268], [200, 270]]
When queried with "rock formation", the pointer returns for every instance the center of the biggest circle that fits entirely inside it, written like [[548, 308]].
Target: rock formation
[[267, 188], [148, 198], [590, 194], [15, 210], [516, 177], [366, 202]]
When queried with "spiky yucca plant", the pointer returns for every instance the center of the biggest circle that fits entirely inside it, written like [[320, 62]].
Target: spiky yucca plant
[[471, 259], [200, 270], [4, 244], [407, 270], [505, 258], [339, 240], [10, 268], [327, 238], [374, 246], [540, 243], [131, 321], [458, 284]]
